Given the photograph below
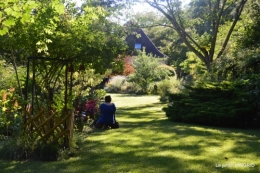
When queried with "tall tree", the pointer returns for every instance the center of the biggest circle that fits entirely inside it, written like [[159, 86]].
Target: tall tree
[[251, 34], [216, 14], [59, 31]]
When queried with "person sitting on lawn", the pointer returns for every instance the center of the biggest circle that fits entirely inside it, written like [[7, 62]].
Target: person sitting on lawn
[[107, 118]]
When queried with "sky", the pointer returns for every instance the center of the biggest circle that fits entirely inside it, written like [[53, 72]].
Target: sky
[[141, 6]]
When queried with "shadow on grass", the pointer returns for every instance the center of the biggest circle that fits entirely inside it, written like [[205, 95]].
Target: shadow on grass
[[158, 144], [148, 142]]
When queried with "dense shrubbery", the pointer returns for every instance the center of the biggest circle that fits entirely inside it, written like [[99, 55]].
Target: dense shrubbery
[[119, 84], [223, 104], [147, 70], [17, 145], [167, 86], [24, 147]]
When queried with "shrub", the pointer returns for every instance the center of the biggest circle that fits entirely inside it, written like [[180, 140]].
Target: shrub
[[168, 86], [100, 93], [25, 147], [223, 104], [128, 66], [128, 87], [10, 113], [19, 147], [8, 76], [48, 152], [92, 108], [147, 69], [115, 84]]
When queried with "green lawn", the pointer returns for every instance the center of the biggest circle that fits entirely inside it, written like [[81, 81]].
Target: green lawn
[[147, 142]]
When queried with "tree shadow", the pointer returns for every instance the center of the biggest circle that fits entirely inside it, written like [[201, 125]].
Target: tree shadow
[[148, 142]]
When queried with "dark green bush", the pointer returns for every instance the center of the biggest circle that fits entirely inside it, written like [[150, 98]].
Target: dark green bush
[[48, 152], [24, 149], [223, 104]]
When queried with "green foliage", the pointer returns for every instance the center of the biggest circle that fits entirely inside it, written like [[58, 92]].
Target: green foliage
[[154, 145], [48, 152], [199, 25], [14, 11], [193, 66], [243, 56], [251, 28], [8, 76], [100, 93], [237, 63], [163, 37], [115, 84], [21, 147], [10, 113], [86, 81], [49, 28], [54, 29], [168, 86], [119, 84], [205, 40], [229, 104], [147, 70]]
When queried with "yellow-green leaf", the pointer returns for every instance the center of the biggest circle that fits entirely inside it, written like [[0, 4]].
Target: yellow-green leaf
[[32, 4], [9, 22], [26, 18], [4, 109], [60, 8], [9, 11], [3, 31]]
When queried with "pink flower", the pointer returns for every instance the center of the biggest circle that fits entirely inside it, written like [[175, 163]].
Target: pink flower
[[91, 107]]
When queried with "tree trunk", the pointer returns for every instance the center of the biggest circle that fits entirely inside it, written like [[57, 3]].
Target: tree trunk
[[16, 73]]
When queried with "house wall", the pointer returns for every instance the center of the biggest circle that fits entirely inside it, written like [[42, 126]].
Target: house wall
[[145, 41]]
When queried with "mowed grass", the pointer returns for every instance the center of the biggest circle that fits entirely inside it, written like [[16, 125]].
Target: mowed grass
[[147, 142]]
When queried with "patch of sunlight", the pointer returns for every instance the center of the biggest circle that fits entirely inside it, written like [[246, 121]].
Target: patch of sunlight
[[227, 145], [11, 167], [203, 129], [190, 139], [72, 159], [100, 138], [240, 134], [132, 100], [117, 149], [225, 148], [129, 120]]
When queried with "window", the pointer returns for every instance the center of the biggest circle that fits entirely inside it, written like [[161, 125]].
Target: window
[[138, 46]]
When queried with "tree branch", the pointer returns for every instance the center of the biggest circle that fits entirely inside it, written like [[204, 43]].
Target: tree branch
[[215, 28], [238, 13], [182, 33]]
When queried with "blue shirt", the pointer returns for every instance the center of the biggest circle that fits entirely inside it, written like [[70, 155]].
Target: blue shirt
[[107, 113]]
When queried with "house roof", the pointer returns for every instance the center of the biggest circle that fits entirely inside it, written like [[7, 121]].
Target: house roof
[[143, 41]]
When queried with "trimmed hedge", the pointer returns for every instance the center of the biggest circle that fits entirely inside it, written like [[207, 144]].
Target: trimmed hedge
[[216, 104]]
